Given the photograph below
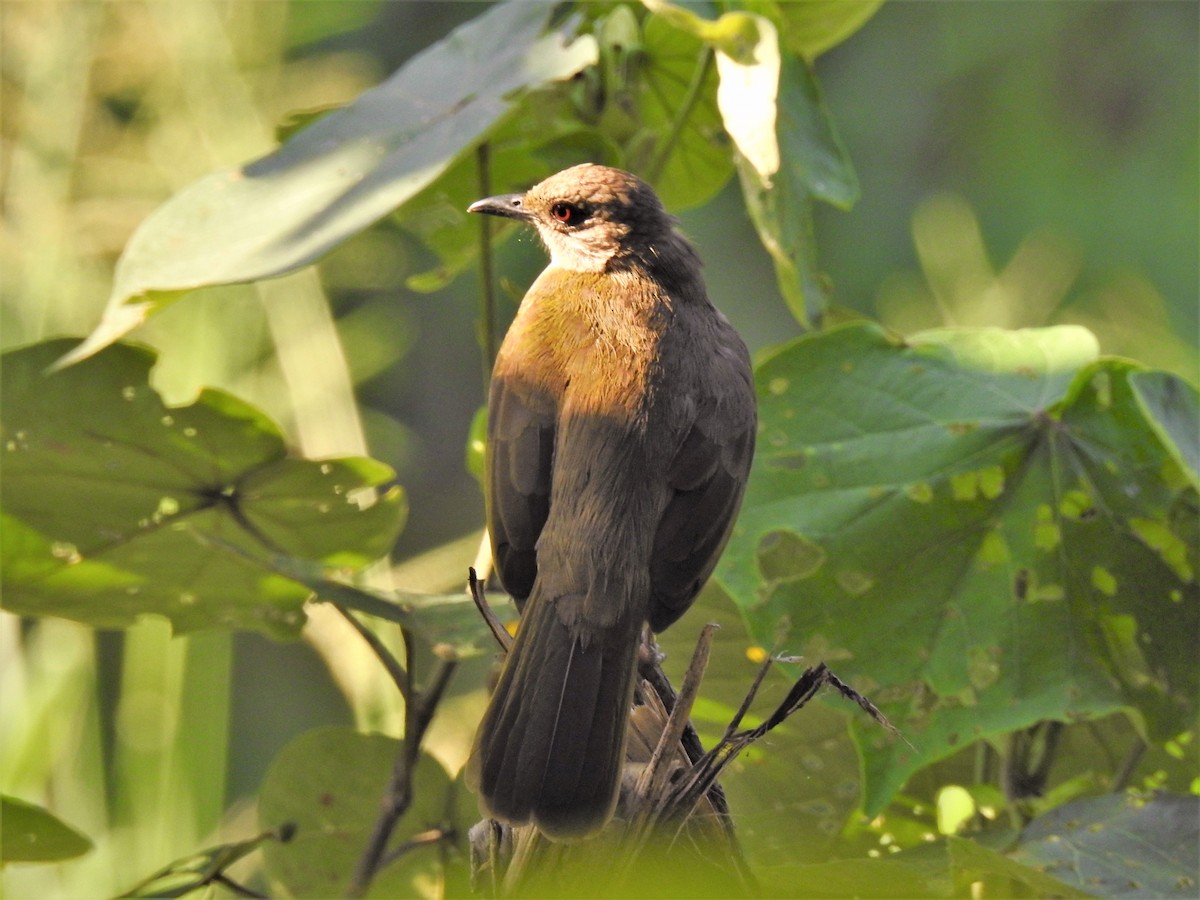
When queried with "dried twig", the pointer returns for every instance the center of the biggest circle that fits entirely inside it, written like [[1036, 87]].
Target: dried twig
[[675, 794], [654, 777], [503, 638]]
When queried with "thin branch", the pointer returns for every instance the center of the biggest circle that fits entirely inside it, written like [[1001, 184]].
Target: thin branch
[[239, 889], [749, 698], [503, 638], [397, 798], [425, 839], [653, 778], [395, 671], [1125, 774], [868, 707]]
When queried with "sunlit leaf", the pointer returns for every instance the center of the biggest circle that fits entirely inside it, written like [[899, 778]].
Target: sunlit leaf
[[734, 33], [746, 97], [814, 166], [29, 833], [974, 527], [117, 505], [347, 170]]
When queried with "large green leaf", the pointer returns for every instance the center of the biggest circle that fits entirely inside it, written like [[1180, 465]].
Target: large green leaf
[[1119, 845], [981, 529], [345, 171], [329, 783], [116, 505], [29, 833]]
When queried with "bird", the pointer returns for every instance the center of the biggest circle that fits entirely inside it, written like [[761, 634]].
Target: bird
[[621, 429]]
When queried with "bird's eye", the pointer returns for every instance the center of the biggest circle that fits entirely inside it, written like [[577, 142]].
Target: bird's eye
[[567, 213]]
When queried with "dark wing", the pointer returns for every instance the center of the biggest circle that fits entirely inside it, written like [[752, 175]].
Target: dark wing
[[708, 477], [520, 451]]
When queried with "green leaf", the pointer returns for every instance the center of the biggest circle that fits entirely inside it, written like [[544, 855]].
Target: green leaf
[[973, 528], [116, 505], [813, 166], [347, 170], [1119, 845], [671, 72], [329, 783], [29, 833], [1000, 876], [200, 870], [814, 26], [1172, 407]]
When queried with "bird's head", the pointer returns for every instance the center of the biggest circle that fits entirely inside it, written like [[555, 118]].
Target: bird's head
[[591, 218]]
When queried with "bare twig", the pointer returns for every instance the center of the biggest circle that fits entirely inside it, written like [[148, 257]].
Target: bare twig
[[675, 795], [398, 795], [1128, 765], [868, 707], [418, 713], [395, 671], [749, 698], [424, 839], [654, 776], [503, 638], [238, 889]]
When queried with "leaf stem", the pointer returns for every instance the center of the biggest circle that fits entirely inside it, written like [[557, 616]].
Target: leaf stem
[[654, 171], [1125, 774], [690, 99], [395, 671]]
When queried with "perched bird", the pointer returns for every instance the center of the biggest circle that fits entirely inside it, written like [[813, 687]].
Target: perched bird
[[620, 432]]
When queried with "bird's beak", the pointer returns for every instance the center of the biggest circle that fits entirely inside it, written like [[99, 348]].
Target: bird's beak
[[510, 206]]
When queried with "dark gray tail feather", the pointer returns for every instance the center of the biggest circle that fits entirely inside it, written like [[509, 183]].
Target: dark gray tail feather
[[552, 743]]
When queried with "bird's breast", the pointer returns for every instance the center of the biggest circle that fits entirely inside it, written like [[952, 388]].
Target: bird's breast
[[590, 340]]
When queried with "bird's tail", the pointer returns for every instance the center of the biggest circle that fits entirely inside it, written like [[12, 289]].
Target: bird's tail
[[552, 743]]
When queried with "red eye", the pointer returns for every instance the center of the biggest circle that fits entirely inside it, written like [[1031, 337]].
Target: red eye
[[567, 214]]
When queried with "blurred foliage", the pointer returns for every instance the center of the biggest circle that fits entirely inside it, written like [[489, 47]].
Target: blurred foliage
[[1031, 170]]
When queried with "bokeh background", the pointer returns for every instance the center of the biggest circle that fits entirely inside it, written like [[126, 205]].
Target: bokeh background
[[1020, 164]]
